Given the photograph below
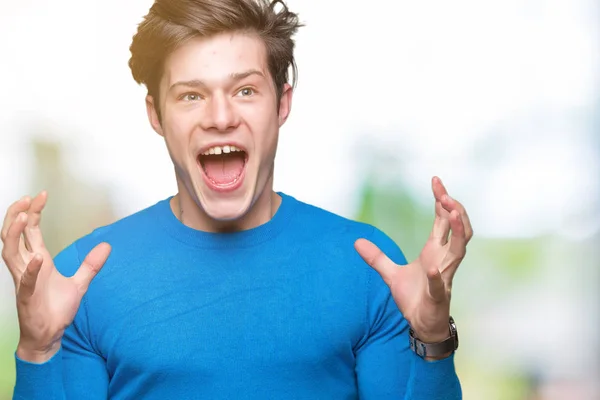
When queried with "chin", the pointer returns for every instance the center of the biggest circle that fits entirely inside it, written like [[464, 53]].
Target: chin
[[226, 208]]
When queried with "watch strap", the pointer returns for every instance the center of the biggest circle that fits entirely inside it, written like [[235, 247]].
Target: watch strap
[[439, 349]]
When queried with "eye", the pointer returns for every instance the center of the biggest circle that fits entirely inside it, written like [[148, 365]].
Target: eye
[[191, 97], [245, 92]]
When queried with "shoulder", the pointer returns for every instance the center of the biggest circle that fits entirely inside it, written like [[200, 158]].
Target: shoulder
[[137, 225], [333, 229]]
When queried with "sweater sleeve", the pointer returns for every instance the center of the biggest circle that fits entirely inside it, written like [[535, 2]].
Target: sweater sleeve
[[76, 371], [386, 367]]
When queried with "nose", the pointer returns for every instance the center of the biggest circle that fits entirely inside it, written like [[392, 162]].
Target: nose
[[221, 115]]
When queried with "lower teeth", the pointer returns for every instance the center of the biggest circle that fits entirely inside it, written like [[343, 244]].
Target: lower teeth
[[225, 184]]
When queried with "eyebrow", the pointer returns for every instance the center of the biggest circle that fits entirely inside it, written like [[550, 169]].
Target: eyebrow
[[235, 77]]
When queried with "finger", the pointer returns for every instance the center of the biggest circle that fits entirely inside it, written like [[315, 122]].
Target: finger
[[29, 278], [11, 253], [458, 240], [440, 231], [35, 209], [34, 240], [450, 204], [440, 211], [376, 259], [436, 287], [465, 220], [438, 188], [17, 207], [91, 265], [33, 235]]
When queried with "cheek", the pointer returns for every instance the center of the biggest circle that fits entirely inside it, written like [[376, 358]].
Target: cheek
[[266, 132], [268, 147], [178, 131]]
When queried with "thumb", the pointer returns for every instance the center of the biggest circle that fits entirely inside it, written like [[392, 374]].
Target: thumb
[[376, 259], [91, 265], [437, 288]]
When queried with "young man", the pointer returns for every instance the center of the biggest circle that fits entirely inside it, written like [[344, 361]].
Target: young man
[[229, 290]]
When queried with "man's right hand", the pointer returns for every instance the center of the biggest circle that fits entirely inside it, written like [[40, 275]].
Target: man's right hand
[[47, 301]]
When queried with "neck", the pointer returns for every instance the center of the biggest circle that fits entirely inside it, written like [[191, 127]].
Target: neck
[[193, 216]]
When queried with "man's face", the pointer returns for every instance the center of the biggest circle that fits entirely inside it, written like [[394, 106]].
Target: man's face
[[220, 121]]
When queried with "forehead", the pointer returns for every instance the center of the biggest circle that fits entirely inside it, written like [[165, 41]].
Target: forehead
[[215, 58]]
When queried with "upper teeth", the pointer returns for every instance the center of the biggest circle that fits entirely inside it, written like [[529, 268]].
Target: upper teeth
[[221, 149]]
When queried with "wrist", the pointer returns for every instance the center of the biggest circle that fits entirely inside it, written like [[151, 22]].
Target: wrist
[[37, 354], [435, 346]]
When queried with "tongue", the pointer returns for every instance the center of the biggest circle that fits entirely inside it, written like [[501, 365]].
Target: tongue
[[224, 168]]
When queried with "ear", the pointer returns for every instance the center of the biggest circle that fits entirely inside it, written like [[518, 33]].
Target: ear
[[285, 104], [153, 115]]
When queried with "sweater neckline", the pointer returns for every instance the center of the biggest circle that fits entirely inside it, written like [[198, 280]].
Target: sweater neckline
[[247, 238]]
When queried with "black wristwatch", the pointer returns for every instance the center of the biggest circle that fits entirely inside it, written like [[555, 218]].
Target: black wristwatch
[[446, 346]]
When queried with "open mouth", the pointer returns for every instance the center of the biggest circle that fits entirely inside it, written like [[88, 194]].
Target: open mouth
[[223, 166]]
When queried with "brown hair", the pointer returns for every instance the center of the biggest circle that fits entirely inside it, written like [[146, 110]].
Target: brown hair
[[170, 23]]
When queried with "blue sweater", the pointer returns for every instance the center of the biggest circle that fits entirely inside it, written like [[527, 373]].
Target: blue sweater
[[287, 310]]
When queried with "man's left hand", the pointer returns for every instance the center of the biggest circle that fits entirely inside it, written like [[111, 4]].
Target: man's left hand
[[422, 289]]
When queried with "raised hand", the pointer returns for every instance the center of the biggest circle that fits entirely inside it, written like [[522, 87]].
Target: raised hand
[[47, 301], [422, 289]]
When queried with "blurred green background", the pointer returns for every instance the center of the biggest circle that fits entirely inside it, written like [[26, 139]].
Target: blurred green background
[[501, 99]]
